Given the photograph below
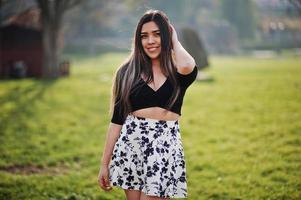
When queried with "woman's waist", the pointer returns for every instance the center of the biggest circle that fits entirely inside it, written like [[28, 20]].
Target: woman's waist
[[156, 113]]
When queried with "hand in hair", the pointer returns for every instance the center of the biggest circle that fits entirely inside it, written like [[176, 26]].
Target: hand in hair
[[174, 35], [183, 60]]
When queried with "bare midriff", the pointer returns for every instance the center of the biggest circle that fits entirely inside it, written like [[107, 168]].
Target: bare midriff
[[156, 113]]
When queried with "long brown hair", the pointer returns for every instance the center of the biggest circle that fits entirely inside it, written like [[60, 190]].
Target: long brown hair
[[129, 73]]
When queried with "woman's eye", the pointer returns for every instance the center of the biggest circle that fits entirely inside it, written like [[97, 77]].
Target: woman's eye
[[143, 36]]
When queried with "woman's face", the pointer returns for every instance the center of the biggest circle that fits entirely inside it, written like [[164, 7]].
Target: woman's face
[[151, 40]]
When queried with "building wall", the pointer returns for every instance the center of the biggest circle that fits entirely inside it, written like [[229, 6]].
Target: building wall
[[21, 44]]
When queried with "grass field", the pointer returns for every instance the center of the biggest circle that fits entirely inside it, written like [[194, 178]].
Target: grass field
[[241, 131]]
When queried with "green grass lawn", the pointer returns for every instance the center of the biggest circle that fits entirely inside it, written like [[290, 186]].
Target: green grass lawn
[[241, 131]]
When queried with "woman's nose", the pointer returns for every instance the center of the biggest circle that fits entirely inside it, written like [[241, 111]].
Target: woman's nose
[[150, 40]]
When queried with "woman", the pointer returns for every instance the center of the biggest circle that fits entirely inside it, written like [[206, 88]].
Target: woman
[[144, 152]]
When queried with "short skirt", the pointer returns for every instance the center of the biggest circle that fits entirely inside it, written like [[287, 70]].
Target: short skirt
[[149, 156]]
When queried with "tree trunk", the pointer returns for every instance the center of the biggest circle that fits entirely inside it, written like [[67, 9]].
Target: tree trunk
[[52, 12], [51, 50]]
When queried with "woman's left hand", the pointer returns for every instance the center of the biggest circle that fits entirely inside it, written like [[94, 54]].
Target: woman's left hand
[[182, 59], [174, 35]]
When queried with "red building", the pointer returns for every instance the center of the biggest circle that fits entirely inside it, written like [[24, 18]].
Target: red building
[[21, 49]]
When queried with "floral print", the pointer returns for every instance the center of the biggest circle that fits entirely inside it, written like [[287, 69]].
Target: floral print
[[149, 156]]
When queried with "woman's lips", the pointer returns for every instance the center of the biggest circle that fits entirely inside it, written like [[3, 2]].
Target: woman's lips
[[151, 49]]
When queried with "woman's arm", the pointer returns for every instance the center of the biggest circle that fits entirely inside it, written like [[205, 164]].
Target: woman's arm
[[111, 138], [183, 60]]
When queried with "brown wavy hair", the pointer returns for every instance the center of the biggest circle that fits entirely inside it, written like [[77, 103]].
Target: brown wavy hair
[[129, 73]]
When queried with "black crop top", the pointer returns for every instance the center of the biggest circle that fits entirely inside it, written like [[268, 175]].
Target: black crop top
[[146, 97]]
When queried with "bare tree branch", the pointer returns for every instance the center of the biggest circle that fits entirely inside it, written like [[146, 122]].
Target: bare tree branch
[[297, 4], [72, 3]]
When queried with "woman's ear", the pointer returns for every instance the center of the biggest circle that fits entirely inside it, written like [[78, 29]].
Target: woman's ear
[[173, 57], [170, 27]]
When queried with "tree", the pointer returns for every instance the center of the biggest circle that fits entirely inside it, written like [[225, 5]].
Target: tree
[[52, 12], [241, 15], [296, 4]]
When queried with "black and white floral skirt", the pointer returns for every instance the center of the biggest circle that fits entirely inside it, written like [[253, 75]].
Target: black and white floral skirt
[[149, 156]]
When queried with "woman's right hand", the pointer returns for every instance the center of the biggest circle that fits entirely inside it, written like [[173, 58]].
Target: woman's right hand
[[103, 178]]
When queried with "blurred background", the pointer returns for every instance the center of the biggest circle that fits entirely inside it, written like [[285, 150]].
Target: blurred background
[[226, 27], [240, 121], [263, 28]]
